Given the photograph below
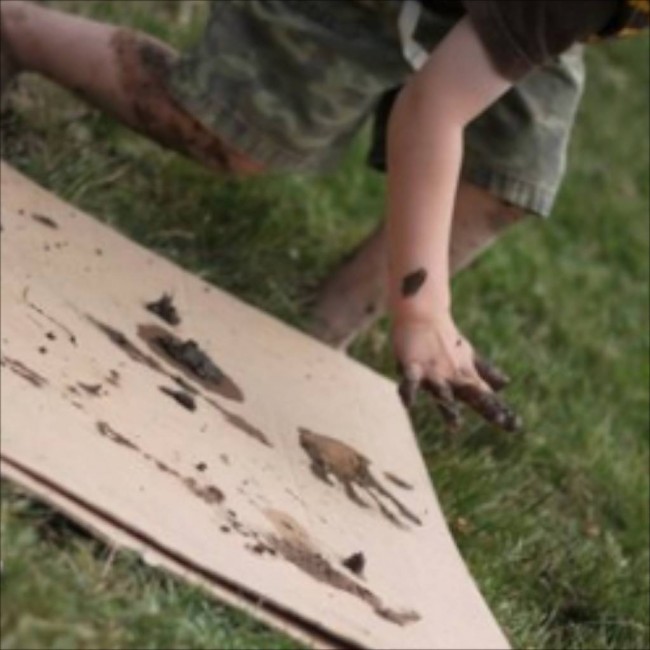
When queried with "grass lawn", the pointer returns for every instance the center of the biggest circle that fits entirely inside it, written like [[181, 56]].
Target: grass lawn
[[553, 524]]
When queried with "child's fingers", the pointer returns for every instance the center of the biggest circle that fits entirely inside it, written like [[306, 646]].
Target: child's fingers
[[410, 383], [495, 377], [488, 405], [447, 405]]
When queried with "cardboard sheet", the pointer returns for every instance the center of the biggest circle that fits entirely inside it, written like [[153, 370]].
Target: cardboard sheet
[[232, 447]]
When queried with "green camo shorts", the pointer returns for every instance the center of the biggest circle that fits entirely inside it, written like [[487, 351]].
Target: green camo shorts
[[290, 82]]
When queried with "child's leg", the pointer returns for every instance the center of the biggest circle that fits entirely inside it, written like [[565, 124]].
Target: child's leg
[[119, 70], [353, 297]]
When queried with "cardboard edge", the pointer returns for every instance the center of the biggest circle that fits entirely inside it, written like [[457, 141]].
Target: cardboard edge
[[120, 538]]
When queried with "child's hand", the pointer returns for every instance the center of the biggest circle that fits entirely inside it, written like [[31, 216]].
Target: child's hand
[[433, 355]]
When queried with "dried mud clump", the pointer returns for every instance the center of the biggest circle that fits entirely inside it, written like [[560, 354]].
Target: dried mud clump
[[165, 309]]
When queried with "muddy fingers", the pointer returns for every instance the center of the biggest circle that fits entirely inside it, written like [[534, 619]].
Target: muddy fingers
[[496, 378], [489, 406], [410, 383], [447, 405]]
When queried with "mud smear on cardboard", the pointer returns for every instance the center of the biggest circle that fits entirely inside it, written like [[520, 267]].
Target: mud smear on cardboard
[[107, 431], [45, 221], [91, 389], [292, 542], [71, 337], [23, 371], [331, 457], [211, 494], [129, 348], [399, 482], [241, 423], [180, 397], [355, 563], [191, 360]]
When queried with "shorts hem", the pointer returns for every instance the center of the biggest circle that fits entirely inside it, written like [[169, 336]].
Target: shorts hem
[[240, 133], [532, 197]]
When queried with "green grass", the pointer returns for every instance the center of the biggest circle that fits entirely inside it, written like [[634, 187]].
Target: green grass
[[553, 524]]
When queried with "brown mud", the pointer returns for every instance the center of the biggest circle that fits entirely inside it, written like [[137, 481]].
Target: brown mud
[[92, 389], [399, 482], [165, 309], [211, 494], [185, 385], [241, 423], [149, 334], [23, 371], [355, 563], [413, 282], [129, 348], [293, 544], [191, 360], [44, 220], [181, 397], [107, 431], [71, 337], [329, 456], [145, 67]]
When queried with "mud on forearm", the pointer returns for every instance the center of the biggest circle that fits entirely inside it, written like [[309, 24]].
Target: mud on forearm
[[145, 66]]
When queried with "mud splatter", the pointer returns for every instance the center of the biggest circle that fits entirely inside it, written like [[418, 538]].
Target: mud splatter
[[20, 369], [191, 360], [165, 309], [293, 544], [211, 494], [107, 431], [241, 423], [71, 337], [45, 221], [185, 385], [190, 356], [181, 397], [152, 334], [238, 527], [329, 456], [92, 389], [355, 563], [260, 548], [399, 482], [413, 282], [129, 348]]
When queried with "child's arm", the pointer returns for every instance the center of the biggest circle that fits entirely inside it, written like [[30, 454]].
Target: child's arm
[[424, 156]]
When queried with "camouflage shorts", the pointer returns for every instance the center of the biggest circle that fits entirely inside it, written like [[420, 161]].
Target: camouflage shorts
[[290, 82]]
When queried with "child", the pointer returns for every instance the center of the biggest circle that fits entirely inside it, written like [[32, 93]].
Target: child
[[474, 102]]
